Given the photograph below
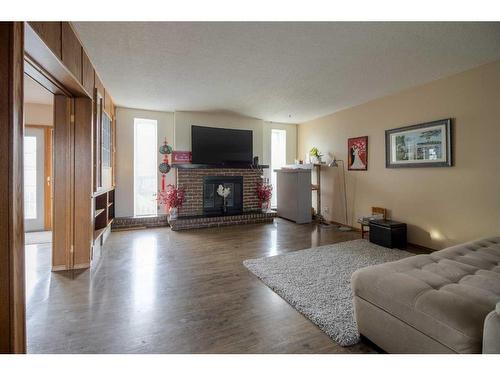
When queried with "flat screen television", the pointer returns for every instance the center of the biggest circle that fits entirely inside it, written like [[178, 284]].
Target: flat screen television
[[221, 146]]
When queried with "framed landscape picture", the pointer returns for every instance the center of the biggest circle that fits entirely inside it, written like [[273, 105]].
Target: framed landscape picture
[[423, 145], [357, 154]]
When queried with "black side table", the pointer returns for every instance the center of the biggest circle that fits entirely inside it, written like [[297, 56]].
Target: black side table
[[388, 233]]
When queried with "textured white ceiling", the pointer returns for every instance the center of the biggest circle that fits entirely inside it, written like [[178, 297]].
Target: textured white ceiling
[[288, 72], [34, 93]]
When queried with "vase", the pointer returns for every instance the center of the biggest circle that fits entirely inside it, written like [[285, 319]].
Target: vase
[[173, 213], [264, 207]]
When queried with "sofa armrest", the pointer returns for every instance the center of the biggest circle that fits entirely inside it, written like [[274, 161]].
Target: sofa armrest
[[491, 333]]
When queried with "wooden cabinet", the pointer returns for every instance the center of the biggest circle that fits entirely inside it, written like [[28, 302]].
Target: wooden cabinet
[[108, 103], [83, 232], [104, 214], [63, 183], [50, 33], [87, 74], [112, 110], [99, 86], [104, 144], [71, 51]]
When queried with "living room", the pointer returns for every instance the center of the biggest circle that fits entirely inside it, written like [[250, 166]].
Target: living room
[[251, 188]]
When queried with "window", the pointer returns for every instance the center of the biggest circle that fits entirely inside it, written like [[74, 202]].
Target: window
[[278, 158], [106, 179], [29, 177], [145, 166], [106, 141]]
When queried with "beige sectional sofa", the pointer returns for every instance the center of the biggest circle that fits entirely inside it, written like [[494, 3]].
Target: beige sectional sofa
[[436, 303]]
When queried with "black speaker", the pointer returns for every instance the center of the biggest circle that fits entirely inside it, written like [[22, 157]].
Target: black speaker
[[255, 160]]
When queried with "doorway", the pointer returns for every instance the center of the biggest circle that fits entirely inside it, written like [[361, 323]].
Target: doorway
[[38, 178]]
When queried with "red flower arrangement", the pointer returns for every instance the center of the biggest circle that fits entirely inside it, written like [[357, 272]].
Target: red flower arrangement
[[172, 197], [264, 192]]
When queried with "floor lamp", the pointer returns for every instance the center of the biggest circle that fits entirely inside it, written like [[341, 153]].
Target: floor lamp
[[335, 163]]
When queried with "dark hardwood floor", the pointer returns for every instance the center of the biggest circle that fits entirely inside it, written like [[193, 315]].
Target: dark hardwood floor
[[158, 291]]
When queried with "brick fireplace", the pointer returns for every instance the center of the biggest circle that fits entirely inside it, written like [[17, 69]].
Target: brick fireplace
[[193, 179]]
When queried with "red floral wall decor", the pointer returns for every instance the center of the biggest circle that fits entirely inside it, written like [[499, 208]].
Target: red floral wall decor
[[357, 154]]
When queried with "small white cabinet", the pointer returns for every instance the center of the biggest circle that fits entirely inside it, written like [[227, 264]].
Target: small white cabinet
[[294, 194]]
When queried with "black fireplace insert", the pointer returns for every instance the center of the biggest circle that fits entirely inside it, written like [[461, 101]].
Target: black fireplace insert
[[213, 203]]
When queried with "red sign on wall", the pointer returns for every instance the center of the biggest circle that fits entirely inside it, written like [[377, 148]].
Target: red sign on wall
[[181, 157]]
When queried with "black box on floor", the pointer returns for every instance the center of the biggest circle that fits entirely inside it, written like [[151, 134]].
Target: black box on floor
[[388, 233]]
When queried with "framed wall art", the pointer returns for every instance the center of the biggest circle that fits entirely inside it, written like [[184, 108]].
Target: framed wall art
[[422, 145], [357, 154]]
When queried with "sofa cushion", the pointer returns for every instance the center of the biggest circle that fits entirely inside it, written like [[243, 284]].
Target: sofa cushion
[[445, 295]]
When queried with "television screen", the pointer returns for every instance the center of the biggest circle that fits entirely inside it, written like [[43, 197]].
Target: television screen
[[221, 146]]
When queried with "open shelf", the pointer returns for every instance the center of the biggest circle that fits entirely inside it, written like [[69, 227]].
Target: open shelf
[[104, 211], [99, 211], [98, 233]]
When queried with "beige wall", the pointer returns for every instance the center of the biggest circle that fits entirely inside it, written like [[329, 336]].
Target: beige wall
[[125, 153], [442, 206], [38, 114], [177, 128]]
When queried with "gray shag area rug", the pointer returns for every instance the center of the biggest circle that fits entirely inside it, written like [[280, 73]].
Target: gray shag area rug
[[317, 282]]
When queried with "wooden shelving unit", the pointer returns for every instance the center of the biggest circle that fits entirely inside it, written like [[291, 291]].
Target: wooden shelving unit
[[104, 211], [317, 188]]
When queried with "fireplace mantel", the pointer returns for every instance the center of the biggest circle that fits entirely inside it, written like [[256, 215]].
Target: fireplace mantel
[[219, 166]]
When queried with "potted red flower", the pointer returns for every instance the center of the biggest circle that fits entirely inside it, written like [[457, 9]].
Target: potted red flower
[[172, 199], [264, 193]]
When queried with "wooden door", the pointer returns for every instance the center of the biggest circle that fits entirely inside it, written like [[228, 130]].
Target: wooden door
[[83, 213], [12, 294], [62, 247]]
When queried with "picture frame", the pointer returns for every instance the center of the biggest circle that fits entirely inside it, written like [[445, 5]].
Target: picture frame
[[357, 154], [422, 145]]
